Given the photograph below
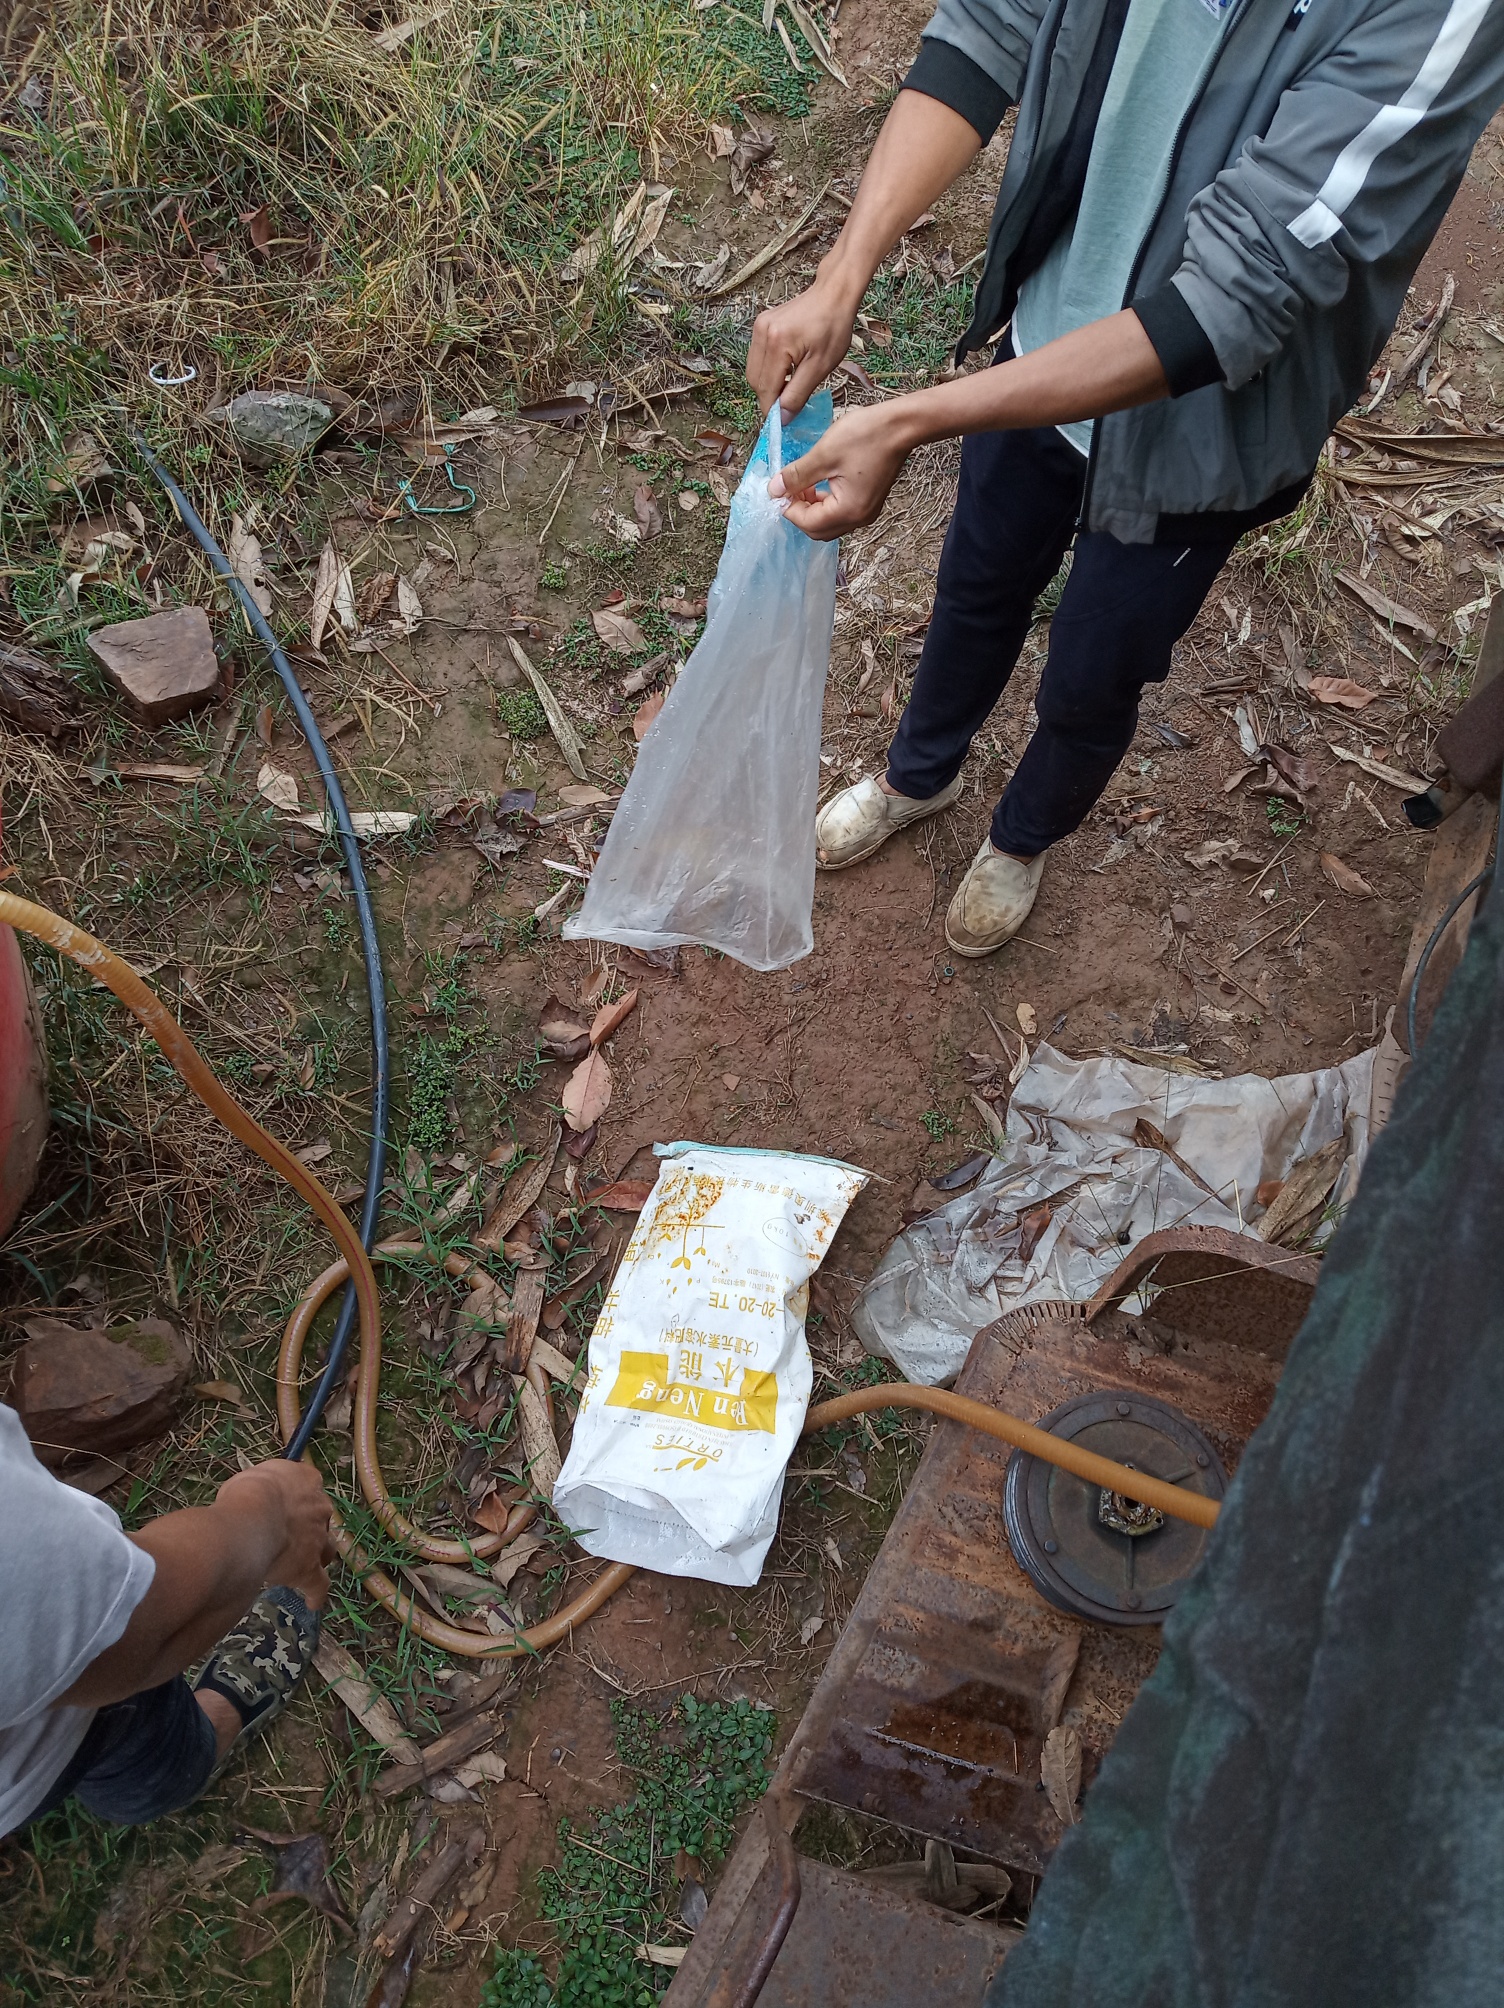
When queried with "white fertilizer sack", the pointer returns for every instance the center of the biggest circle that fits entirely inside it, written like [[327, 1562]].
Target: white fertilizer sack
[[699, 1369]]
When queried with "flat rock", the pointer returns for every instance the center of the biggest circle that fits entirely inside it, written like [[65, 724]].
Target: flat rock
[[272, 426], [95, 1390], [164, 665]]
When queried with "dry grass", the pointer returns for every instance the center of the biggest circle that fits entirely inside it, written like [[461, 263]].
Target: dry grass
[[293, 193]]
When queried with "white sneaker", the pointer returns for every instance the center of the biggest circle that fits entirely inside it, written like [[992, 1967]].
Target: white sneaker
[[993, 901], [860, 820]]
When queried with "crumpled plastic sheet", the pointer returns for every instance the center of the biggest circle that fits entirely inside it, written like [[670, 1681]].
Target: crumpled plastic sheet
[[1069, 1141]]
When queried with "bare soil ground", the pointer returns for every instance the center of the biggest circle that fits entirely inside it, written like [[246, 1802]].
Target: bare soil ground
[[858, 1052]]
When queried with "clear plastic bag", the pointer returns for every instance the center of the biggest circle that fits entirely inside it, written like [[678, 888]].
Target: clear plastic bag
[[714, 839]]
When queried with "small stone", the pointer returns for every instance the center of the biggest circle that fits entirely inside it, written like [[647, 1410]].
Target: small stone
[[164, 665], [272, 426], [97, 1390], [1181, 917]]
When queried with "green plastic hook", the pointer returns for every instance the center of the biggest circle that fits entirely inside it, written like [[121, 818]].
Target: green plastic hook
[[416, 508]]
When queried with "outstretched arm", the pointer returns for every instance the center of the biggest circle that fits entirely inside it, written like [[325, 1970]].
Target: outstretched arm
[[1109, 365], [267, 1525]]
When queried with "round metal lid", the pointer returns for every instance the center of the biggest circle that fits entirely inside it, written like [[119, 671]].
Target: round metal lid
[[1093, 1552]]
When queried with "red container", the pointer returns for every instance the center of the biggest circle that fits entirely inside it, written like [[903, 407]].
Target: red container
[[23, 1082]]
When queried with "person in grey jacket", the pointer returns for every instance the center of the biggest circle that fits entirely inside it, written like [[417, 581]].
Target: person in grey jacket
[[1209, 217]]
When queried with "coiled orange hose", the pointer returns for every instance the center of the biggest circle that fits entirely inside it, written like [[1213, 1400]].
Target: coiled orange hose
[[143, 1004], [118, 976]]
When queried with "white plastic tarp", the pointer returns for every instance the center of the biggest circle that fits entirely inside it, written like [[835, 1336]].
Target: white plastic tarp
[[1070, 1142]]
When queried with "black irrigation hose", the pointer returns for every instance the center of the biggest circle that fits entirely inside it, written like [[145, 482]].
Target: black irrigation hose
[[1413, 1000], [381, 1077]]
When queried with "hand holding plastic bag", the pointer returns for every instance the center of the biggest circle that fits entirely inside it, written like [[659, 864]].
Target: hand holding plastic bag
[[714, 839]]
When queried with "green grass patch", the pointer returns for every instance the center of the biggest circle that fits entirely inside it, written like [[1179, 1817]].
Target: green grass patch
[[615, 1886]]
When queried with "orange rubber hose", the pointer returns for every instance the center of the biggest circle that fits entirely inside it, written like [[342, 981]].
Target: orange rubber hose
[[1172, 1499], [118, 976], [144, 1005]]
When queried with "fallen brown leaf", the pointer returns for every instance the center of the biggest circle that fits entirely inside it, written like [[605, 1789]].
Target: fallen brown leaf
[[277, 786], [1386, 608], [1343, 877], [623, 1195], [302, 1872], [1341, 691], [566, 411], [1297, 1208], [1296, 771], [618, 631], [683, 610], [645, 713], [611, 1017], [649, 515], [243, 549], [587, 1092], [1028, 1020], [1033, 1225], [258, 223], [1060, 1773]]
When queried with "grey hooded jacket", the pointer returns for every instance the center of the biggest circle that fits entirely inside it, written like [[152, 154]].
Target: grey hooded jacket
[[1308, 179]]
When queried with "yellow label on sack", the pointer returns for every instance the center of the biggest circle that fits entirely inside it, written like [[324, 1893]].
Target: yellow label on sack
[[642, 1382]]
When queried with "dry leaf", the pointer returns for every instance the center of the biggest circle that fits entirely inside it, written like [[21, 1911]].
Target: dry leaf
[[493, 1513], [809, 1629], [649, 515], [618, 631], [259, 223], [247, 563], [511, 1559], [623, 1195], [683, 610], [1060, 1773], [93, 545], [587, 1092], [1032, 1226], [611, 1017], [278, 787], [1393, 777], [1302, 1197], [1028, 1020], [328, 580], [1296, 771], [749, 151], [539, 1449], [409, 606], [720, 142], [84, 464], [158, 770], [583, 795], [1344, 878], [1215, 851], [218, 1390], [1341, 691], [558, 1025], [565, 736], [645, 713], [372, 1711], [1386, 608]]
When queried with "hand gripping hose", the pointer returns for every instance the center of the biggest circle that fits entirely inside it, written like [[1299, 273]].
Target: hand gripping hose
[[339, 816], [355, 1268]]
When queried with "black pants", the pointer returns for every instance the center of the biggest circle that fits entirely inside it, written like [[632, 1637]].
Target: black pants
[[139, 1758], [1124, 608]]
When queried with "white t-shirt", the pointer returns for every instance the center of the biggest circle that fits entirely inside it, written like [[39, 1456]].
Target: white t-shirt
[[69, 1580]]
